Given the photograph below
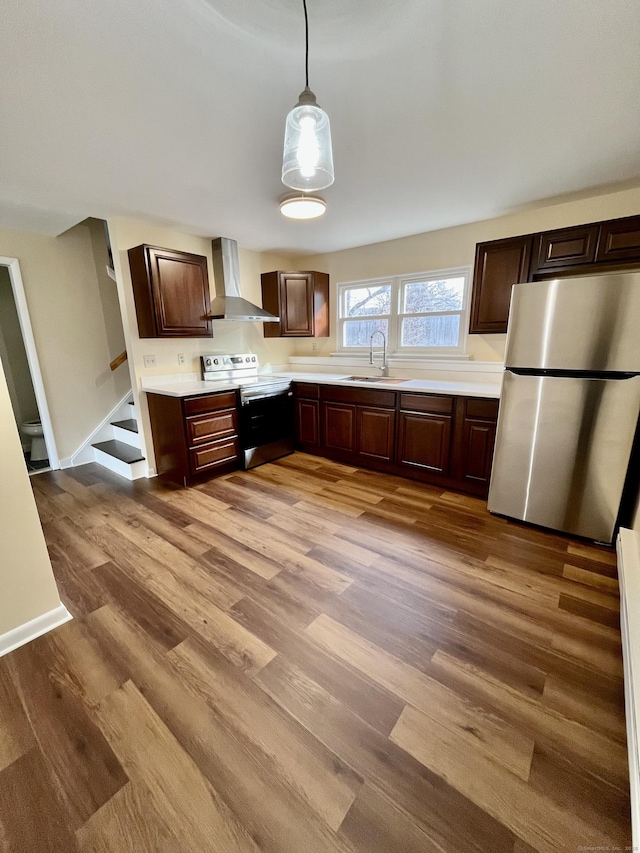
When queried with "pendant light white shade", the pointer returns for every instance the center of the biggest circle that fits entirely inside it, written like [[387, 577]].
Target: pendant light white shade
[[307, 161], [303, 207]]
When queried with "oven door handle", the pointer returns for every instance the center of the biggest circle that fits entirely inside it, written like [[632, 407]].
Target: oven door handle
[[245, 400]]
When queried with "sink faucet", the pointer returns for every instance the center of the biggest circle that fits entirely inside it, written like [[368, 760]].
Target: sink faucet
[[384, 367]]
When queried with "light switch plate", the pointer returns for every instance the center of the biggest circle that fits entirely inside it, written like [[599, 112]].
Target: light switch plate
[[149, 361]]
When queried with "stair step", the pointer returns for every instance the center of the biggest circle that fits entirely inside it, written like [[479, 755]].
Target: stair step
[[130, 424], [120, 450]]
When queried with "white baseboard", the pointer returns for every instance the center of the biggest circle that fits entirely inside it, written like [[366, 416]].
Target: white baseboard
[[102, 432], [628, 548], [23, 634]]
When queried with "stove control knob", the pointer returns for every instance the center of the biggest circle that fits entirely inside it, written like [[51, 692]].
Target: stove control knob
[[207, 361], [254, 358], [216, 361], [247, 358]]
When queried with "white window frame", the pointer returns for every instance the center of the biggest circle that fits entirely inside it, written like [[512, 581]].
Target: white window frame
[[395, 317]]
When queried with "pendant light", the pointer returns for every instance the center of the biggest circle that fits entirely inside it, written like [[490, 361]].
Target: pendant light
[[307, 162]]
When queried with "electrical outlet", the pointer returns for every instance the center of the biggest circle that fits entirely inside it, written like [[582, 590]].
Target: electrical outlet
[[180, 358], [314, 347], [149, 361]]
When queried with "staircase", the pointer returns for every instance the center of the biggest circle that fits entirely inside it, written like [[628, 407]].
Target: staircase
[[121, 453]]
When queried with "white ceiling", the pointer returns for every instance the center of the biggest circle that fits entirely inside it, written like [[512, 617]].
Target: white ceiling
[[442, 111]]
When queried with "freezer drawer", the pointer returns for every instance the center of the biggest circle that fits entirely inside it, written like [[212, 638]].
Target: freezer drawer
[[562, 451], [589, 324]]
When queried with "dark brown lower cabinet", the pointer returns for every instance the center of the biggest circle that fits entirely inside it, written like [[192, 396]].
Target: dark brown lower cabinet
[[339, 426], [194, 438], [440, 439], [424, 441], [478, 438], [375, 433], [308, 422]]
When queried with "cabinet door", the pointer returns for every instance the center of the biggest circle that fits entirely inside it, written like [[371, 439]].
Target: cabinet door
[[478, 438], [376, 433], [568, 247], [308, 422], [499, 265], [180, 288], [619, 241], [296, 305], [424, 441], [339, 427], [171, 293]]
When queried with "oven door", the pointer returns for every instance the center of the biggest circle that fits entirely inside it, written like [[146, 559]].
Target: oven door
[[266, 427]]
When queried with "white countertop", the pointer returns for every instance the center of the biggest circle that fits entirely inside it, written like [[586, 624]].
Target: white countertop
[[433, 386], [188, 386], [185, 388]]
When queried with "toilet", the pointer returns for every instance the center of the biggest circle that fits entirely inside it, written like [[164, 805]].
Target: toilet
[[34, 430]]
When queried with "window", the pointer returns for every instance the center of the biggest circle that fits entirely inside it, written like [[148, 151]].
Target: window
[[424, 313]]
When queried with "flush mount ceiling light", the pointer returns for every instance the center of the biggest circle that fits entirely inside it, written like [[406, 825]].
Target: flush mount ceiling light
[[307, 161], [303, 206]]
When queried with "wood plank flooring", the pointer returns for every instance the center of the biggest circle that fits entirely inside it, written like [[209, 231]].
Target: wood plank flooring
[[311, 657]]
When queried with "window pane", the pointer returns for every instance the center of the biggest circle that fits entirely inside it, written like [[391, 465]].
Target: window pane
[[424, 296], [358, 332], [430, 331], [365, 301]]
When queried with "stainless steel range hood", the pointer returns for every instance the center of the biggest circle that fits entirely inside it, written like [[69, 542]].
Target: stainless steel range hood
[[226, 271]]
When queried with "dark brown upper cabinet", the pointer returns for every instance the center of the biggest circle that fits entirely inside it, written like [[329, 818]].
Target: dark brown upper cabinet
[[300, 300], [582, 250], [619, 241], [171, 292], [499, 265], [554, 251]]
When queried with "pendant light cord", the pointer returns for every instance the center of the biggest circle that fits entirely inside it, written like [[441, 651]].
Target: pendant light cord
[[306, 37]]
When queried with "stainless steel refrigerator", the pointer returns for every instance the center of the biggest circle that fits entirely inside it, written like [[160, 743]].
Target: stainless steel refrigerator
[[566, 442]]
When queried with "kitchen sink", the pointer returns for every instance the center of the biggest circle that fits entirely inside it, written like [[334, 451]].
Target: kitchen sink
[[372, 379]]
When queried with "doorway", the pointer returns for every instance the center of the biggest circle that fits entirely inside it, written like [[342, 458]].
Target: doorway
[[22, 370]]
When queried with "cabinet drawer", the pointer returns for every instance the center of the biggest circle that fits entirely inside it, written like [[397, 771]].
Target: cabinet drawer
[[426, 403], [209, 403], [487, 409], [213, 454], [358, 396], [306, 389], [203, 428]]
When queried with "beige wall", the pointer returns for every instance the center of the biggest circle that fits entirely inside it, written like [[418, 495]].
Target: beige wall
[[108, 293], [65, 307], [455, 247], [227, 336], [27, 586], [14, 355]]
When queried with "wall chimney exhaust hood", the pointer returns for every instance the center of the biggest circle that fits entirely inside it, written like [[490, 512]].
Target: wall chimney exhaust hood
[[226, 272]]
